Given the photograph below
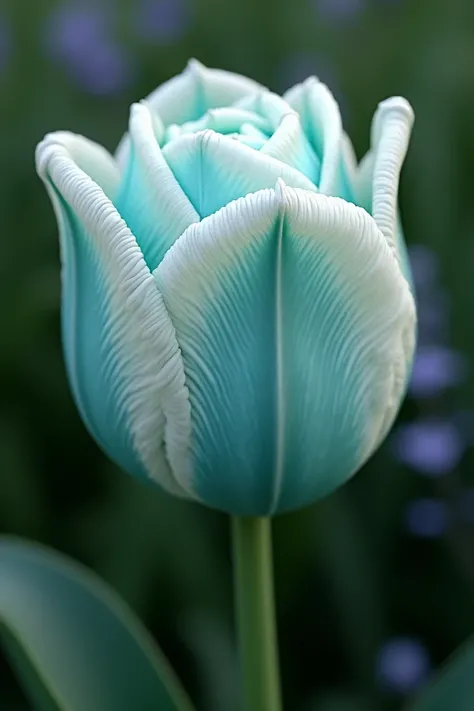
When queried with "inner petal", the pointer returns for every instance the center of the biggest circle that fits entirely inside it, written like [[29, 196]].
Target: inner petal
[[264, 103], [213, 169], [226, 120], [187, 96], [149, 198], [251, 136]]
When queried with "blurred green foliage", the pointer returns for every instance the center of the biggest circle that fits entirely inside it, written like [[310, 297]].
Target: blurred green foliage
[[349, 576]]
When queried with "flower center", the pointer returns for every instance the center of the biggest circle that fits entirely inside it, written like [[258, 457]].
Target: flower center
[[239, 124]]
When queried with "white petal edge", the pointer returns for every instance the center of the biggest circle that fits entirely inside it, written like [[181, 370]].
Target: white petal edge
[[157, 397], [391, 129]]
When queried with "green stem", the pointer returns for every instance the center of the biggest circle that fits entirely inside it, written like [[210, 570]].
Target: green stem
[[255, 610]]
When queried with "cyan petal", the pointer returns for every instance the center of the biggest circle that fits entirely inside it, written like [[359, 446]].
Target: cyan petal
[[213, 170], [252, 136], [120, 348], [295, 325], [150, 199], [290, 145], [190, 94], [378, 175], [223, 120], [321, 121], [267, 104], [287, 142]]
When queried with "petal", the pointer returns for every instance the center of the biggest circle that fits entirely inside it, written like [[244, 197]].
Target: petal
[[150, 199], [224, 120], [190, 94], [321, 121], [121, 352], [267, 104], [351, 338], [296, 327], [251, 136], [214, 169], [350, 160], [288, 142], [379, 172], [290, 145]]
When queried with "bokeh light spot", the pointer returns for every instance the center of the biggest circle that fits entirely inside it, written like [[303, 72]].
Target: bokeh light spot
[[80, 37], [435, 369], [431, 447], [403, 664]]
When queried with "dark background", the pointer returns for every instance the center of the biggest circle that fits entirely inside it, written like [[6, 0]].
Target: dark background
[[375, 584]]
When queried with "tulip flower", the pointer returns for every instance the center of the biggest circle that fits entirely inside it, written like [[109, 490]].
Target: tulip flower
[[238, 321]]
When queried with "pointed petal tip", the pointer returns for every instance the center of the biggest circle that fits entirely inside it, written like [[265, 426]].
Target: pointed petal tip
[[139, 113], [194, 66]]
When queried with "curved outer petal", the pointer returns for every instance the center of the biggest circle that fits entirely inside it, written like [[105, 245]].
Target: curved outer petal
[[296, 328], [322, 124], [213, 170], [190, 94], [121, 351], [379, 172], [150, 199]]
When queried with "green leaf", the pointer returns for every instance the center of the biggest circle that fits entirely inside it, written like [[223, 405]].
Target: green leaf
[[453, 687], [74, 643]]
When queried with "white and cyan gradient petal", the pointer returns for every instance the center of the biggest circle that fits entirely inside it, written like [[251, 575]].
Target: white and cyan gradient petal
[[149, 198], [296, 327], [225, 120], [189, 95], [213, 170], [378, 175], [321, 121], [121, 351], [287, 140]]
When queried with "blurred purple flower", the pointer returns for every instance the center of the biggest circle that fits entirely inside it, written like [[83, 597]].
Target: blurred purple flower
[[436, 368], [431, 447], [339, 11], [427, 518], [163, 21], [403, 664], [106, 70], [74, 29], [79, 36], [5, 44]]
